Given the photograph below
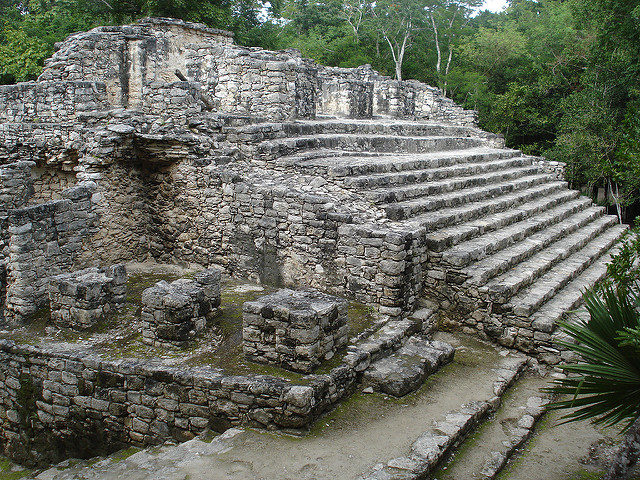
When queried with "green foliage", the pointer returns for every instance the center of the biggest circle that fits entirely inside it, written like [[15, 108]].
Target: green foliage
[[605, 385], [623, 272]]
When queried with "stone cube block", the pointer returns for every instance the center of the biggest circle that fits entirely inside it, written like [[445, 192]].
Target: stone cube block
[[294, 329], [80, 299], [173, 313]]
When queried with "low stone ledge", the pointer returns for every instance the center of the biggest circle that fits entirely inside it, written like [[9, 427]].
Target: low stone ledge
[[294, 329]]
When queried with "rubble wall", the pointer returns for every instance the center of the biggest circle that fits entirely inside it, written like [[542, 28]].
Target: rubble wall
[[282, 236], [50, 102], [55, 405], [44, 240]]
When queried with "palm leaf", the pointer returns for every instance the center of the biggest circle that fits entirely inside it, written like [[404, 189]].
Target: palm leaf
[[605, 385]]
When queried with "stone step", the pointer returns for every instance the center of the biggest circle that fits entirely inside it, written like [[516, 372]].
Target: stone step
[[483, 209], [473, 250], [529, 300], [275, 130], [415, 190], [550, 247], [485, 452], [444, 238], [447, 432], [405, 177], [405, 370], [415, 207], [372, 163], [546, 318], [271, 149]]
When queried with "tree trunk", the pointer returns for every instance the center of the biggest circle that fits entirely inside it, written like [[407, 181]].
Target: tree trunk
[[435, 36], [398, 71], [627, 454]]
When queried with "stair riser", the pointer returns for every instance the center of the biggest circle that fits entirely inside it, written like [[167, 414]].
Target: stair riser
[[439, 188], [575, 300], [400, 212], [504, 296], [375, 144], [279, 131], [526, 231], [410, 177], [443, 244], [488, 208]]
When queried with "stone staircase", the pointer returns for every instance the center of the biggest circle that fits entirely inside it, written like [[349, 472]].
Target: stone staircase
[[511, 248]]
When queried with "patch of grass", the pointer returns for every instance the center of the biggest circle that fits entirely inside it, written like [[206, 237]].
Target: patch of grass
[[361, 317], [11, 471], [124, 454]]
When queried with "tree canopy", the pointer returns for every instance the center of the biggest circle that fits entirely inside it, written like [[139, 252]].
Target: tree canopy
[[558, 78]]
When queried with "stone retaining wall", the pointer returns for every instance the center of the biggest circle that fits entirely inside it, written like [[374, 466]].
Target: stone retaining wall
[[50, 102], [54, 405]]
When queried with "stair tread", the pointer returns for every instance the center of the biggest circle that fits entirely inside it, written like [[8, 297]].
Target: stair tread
[[528, 300], [474, 210], [543, 258], [472, 250], [445, 237], [434, 173], [424, 204], [546, 318], [430, 187], [354, 161]]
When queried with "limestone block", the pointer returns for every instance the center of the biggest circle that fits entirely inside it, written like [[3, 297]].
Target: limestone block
[[173, 313]]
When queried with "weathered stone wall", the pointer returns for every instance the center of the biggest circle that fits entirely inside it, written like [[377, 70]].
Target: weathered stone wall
[[138, 65], [50, 102], [85, 405], [128, 57], [283, 236], [16, 187], [39, 142], [44, 240], [342, 95], [396, 99], [50, 182], [557, 169], [177, 98]]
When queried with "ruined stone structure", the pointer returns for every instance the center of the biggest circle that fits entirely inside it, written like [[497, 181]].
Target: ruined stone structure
[[164, 141], [175, 312], [294, 329]]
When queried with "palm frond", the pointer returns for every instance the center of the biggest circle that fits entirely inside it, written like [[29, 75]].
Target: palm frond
[[605, 385]]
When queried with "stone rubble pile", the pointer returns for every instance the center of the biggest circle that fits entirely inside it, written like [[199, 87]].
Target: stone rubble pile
[[81, 299]]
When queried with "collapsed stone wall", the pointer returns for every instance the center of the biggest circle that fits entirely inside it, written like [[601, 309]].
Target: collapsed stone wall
[[44, 240], [55, 405], [136, 66]]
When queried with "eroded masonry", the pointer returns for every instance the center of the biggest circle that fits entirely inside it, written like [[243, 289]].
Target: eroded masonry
[[164, 142]]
